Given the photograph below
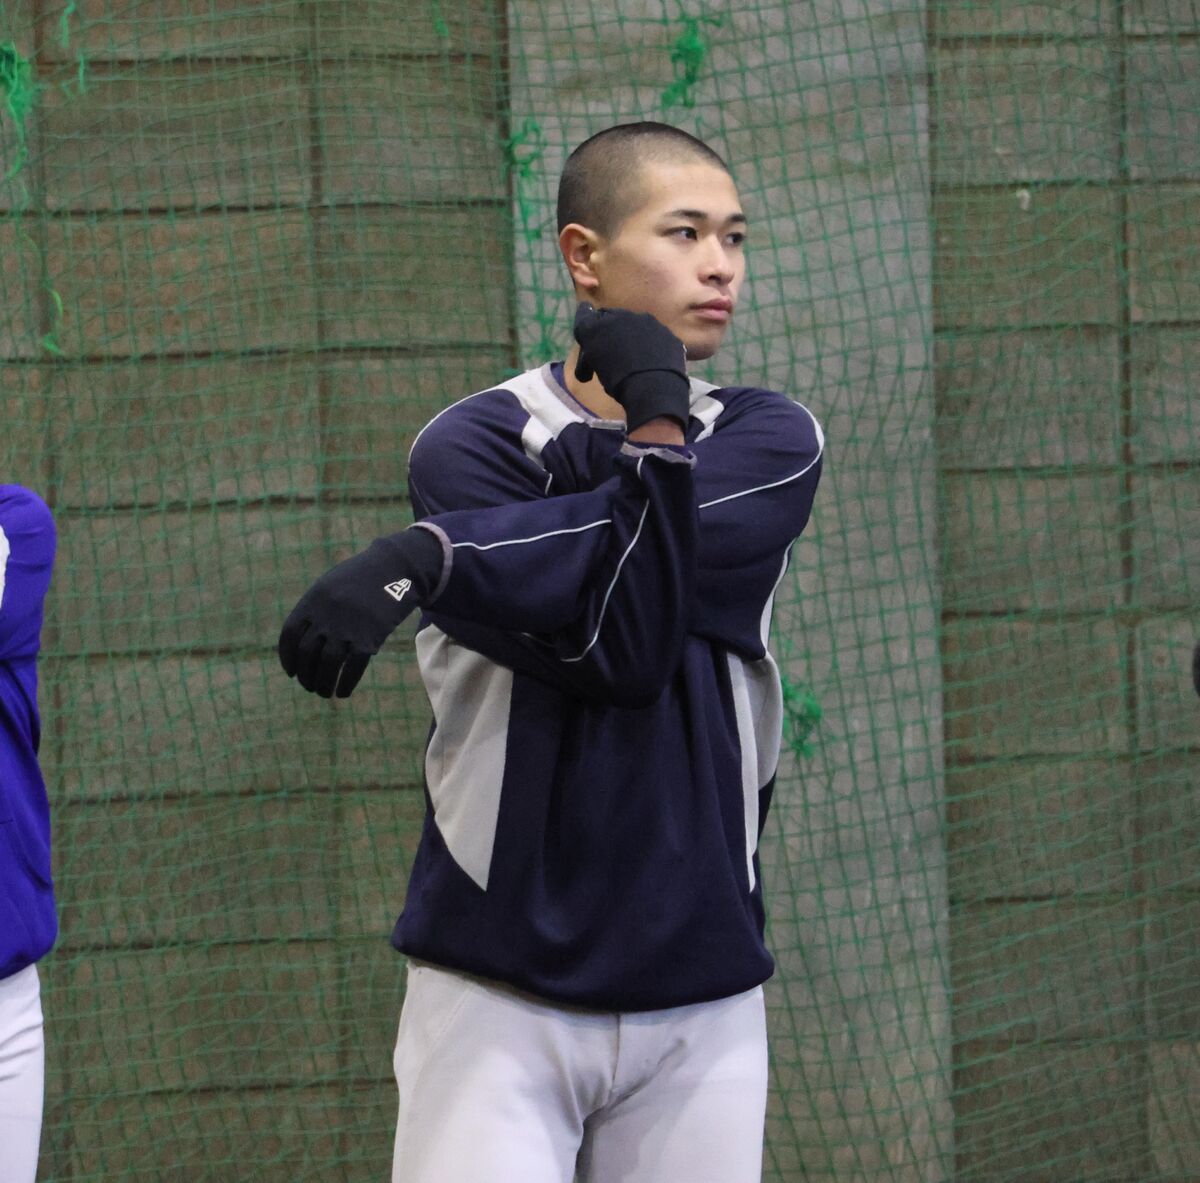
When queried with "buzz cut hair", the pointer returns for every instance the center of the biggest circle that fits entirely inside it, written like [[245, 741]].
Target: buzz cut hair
[[599, 183]]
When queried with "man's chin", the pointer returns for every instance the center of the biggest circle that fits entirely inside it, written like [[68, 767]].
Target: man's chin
[[703, 348]]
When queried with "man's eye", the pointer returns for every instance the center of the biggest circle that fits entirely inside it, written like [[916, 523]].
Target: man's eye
[[737, 239], [684, 231]]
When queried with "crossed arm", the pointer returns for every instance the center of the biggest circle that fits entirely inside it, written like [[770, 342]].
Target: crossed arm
[[592, 591], [752, 491]]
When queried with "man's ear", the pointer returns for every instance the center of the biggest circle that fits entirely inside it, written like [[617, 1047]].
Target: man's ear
[[579, 246]]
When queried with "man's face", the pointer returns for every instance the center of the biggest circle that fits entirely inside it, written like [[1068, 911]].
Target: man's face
[[679, 255]]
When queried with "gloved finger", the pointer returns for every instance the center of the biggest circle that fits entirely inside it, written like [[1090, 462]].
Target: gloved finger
[[308, 658], [329, 666], [290, 636], [582, 313], [583, 371], [352, 670]]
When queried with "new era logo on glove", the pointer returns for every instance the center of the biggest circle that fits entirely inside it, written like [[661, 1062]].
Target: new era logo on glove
[[341, 621]]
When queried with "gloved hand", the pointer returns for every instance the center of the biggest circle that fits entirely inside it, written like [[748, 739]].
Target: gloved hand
[[339, 624], [642, 364]]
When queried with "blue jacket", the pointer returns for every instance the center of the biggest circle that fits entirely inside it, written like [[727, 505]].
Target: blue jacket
[[28, 922], [607, 714]]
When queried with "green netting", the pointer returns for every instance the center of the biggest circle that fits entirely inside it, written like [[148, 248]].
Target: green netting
[[249, 249]]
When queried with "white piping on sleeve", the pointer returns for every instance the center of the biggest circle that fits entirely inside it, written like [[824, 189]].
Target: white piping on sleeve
[[785, 480], [534, 537], [608, 593]]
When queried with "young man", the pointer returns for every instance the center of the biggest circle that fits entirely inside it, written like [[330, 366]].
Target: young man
[[28, 922], [597, 550]]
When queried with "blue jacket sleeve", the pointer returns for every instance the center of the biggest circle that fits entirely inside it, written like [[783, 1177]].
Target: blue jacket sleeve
[[757, 472], [592, 585], [27, 541]]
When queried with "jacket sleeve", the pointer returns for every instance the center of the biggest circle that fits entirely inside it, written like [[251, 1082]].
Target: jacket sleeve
[[27, 541], [593, 585], [757, 472]]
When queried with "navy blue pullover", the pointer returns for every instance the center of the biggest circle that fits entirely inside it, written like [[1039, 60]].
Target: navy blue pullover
[[607, 716]]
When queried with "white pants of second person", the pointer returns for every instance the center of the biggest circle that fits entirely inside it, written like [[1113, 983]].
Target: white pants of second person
[[498, 1087], [22, 1075]]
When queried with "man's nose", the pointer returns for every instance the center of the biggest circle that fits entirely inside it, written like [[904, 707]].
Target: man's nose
[[718, 264]]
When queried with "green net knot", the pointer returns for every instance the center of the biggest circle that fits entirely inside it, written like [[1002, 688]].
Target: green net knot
[[523, 151], [688, 52], [20, 93], [524, 148], [802, 715], [440, 25]]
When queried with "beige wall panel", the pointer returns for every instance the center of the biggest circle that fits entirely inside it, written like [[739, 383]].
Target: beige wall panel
[[25, 300], [154, 29], [140, 30], [414, 277], [247, 1134], [374, 980], [177, 137], [356, 28], [1173, 964], [1045, 971], [376, 406], [994, 18], [1166, 539], [1014, 542], [225, 1016], [185, 285], [182, 581], [1025, 113], [379, 835], [1041, 397], [1079, 1106], [1034, 688], [181, 725], [220, 869], [403, 131], [1166, 411], [852, 958], [1021, 257], [19, 19], [150, 433], [1169, 829], [1161, 16], [1171, 1110], [380, 739], [1162, 113], [24, 413], [1164, 245], [1166, 700], [368, 1127], [1040, 829]]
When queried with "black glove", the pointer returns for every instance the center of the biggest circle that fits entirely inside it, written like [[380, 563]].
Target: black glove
[[642, 364], [343, 619]]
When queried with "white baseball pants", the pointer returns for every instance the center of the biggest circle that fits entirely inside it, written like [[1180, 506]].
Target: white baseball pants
[[22, 1075], [498, 1087]]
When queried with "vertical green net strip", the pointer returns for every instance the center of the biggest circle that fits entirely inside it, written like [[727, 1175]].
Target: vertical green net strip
[[249, 251]]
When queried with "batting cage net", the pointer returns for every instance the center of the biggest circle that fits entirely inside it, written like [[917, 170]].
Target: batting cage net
[[248, 249]]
